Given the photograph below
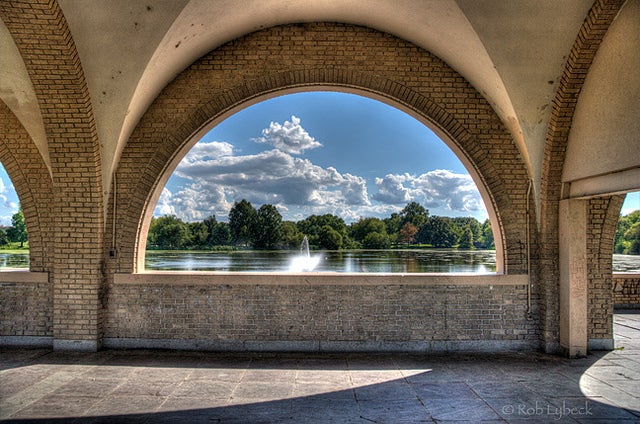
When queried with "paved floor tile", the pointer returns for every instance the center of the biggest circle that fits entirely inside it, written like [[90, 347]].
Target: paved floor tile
[[209, 389], [442, 390], [143, 386], [465, 408]]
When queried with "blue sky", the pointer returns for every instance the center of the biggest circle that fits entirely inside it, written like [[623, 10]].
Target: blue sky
[[316, 153]]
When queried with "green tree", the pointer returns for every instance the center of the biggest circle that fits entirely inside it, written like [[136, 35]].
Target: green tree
[[360, 229], [199, 233], [313, 228], [242, 221], [18, 230], [393, 223], [462, 223], [329, 238], [168, 232], [219, 232], [267, 232], [376, 240], [221, 235], [291, 236], [486, 238], [466, 239], [438, 232], [4, 240], [622, 242], [632, 235], [414, 213]]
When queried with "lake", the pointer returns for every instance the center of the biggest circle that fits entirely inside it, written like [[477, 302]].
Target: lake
[[401, 261]]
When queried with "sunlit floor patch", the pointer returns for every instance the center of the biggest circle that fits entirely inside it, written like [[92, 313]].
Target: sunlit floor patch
[[161, 386]]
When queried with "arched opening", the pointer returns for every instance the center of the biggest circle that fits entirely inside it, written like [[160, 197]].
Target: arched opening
[[626, 256], [211, 90], [14, 245], [260, 151], [626, 247]]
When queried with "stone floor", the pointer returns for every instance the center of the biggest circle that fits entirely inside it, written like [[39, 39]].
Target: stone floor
[[169, 387]]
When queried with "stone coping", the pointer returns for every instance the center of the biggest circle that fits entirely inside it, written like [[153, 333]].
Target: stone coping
[[626, 274], [311, 278], [21, 275]]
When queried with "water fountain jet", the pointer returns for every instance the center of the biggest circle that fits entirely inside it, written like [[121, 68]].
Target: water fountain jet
[[304, 262]]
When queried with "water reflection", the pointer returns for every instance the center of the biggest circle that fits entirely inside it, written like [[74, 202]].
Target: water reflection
[[626, 263], [376, 261], [380, 261], [14, 260]]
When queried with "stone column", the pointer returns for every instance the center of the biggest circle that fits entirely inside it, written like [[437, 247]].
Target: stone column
[[573, 277]]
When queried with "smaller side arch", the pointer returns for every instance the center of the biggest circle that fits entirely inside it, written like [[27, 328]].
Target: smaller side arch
[[604, 213], [32, 181]]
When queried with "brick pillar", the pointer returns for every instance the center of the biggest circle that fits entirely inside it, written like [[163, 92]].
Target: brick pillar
[[44, 40], [573, 277]]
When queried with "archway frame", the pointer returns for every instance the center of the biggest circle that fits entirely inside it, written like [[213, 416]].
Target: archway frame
[[224, 81], [442, 135], [32, 182]]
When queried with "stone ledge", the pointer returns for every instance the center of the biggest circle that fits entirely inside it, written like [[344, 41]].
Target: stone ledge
[[254, 278], [26, 341], [434, 346], [23, 276]]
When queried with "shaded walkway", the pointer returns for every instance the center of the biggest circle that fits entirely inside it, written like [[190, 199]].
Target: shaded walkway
[[158, 386]]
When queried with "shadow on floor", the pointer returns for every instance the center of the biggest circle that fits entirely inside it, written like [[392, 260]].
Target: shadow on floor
[[41, 386], [152, 387]]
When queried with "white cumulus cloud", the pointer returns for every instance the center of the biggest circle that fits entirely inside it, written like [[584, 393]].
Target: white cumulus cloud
[[438, 188], [289, 137], [273, 177]]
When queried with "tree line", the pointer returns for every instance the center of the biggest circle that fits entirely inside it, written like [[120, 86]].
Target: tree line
[[17, 233], [627, 240], [264, 228]]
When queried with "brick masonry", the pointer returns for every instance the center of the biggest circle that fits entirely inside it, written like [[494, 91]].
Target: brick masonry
[[626, 291], [584, 49], [26, 305], [66, 217], [26, 309], [601, 228], [348, 313]]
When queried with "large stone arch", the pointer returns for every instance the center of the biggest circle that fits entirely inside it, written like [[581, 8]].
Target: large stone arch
[[314, 56], [30, 176]]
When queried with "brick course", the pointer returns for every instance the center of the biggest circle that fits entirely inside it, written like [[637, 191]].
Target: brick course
[[329, 313], [626, 290], [26, 309]]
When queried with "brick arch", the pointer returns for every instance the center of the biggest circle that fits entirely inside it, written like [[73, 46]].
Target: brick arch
[[603, 215], [585, 47], [313, 56], [44, 40], [30, 177]]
